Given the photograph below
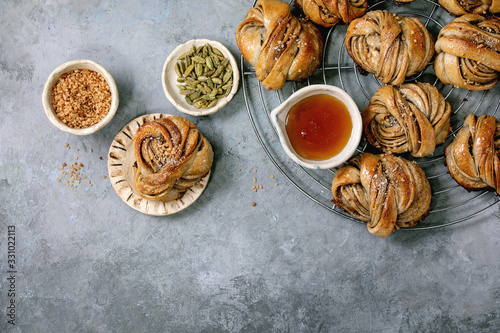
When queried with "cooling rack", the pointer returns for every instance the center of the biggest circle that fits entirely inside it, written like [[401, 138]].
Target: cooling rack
[[451, 204]]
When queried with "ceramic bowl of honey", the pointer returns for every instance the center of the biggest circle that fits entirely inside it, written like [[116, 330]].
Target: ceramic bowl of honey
[[319, 126]]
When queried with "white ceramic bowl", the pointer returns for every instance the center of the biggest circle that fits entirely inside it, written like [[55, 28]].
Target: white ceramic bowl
[[169, 78], [69, 66], [279, 117]]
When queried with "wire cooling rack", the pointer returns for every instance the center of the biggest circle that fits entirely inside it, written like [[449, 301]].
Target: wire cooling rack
[[451, 204]]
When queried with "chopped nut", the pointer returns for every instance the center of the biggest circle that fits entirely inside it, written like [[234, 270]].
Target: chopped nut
[[73, 175], [81, 98]]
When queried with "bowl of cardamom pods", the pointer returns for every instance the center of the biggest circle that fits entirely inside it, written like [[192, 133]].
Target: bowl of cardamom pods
[[200, 77]]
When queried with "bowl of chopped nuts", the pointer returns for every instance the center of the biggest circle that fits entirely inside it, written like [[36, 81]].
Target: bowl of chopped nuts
[[80, 97], [200, 77]]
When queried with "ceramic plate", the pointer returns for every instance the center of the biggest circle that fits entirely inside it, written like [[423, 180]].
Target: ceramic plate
[[120, 161]]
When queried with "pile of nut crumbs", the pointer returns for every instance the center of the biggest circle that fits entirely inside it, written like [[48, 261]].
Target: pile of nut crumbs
[[81, 98], [73, 174], [256, 187]]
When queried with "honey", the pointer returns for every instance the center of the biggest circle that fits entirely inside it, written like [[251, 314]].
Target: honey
[[318, 127]]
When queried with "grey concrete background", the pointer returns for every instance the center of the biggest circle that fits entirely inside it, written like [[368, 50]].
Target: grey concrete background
[[86, 262]]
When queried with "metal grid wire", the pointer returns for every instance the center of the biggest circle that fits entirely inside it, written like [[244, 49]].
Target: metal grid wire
[[451, 204]]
